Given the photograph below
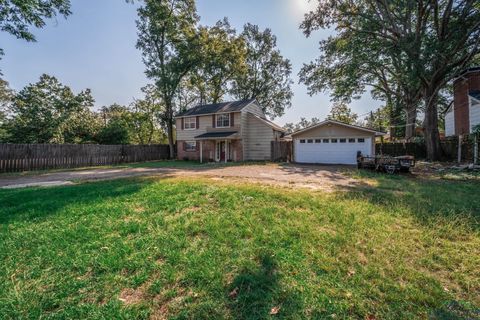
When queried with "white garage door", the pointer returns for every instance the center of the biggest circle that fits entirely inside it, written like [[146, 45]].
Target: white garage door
[[331, 150]]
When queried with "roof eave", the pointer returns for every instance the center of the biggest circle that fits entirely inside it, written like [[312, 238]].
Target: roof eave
[[377, 133]]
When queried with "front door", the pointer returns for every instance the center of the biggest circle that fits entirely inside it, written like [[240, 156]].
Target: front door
[[220, 152]]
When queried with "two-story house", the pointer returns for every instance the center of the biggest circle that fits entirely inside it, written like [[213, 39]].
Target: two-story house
[[227, 131]]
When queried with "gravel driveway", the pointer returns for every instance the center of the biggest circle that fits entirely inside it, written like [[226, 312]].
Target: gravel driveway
[[325, 178]]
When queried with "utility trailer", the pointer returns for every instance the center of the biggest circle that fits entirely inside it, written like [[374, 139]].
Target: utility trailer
[[386, 164]]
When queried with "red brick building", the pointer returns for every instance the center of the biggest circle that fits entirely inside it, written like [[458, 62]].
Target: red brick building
[[464, 114]]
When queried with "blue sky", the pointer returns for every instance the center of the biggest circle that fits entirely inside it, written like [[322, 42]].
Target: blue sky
[[95, 48]]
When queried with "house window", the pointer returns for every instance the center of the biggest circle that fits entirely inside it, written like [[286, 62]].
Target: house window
[[334, 140], [326, 141], [310, 140], [343, 140], [361, 140], [190, 146], [302, 141], [190, 123], [223, 120], [318, 140], [351, 140]]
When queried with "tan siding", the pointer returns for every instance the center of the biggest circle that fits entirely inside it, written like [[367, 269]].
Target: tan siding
[[255, 109], [257, 138], [186, 135], [205, 124]]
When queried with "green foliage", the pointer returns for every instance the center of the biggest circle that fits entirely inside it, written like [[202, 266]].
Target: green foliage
[[167, 39], [378, 119], [16, 17], [341, 112], [6, 96], [200, 249], [409, 49], [145, 118], [302, 124], [222, 58], [116, 127], [267, 77], [49, 112]]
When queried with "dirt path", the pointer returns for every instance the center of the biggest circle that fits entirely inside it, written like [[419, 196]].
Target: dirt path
[[314, 177]]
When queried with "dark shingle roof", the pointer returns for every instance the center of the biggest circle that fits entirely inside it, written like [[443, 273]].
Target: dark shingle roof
[[232, 106], [475, 94], [222, 134]]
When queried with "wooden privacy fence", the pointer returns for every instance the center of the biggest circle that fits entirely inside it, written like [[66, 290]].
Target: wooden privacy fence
[[25, 157], [419, 150], [400, 149], [281, 151]]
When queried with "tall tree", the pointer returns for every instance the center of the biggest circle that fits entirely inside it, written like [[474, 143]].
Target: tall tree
[[16, 17], [116, 125], [222, 58], [144, 117], [49, 112], [436, 39], [341, 112], [267, 77], [6, 96], [378, 120], [347, 69], [167, 39], [302, 124]]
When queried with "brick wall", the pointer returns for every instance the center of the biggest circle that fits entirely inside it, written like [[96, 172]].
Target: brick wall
[[236, 148], [461, 87]]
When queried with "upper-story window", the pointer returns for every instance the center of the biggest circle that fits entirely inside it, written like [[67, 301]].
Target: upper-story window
[[223, 120], [190, 123]]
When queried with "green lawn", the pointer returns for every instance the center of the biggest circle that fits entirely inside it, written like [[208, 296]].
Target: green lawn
[[197, 249]]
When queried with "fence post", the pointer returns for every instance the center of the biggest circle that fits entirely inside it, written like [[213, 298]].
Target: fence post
[[459, 149]]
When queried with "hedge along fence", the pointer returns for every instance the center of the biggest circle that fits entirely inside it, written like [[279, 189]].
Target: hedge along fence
[[419, 150], [26, 157]]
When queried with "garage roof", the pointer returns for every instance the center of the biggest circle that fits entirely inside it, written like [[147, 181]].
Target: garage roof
[[326, 122]]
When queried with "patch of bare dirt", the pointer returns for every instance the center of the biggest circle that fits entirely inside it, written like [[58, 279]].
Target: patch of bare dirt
[[315, 177], [131, 296]]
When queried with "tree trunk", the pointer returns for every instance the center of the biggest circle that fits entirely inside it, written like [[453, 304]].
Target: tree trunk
[[410, 125], [432, 136], [170, 138], [170, 119]]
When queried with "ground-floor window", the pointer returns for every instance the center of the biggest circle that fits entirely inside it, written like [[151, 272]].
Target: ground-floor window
[[190, 146]]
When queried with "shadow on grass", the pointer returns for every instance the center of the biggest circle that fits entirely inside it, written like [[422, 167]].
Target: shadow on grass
[[455, 310], [426, 199], [256, 293], [37, 204]]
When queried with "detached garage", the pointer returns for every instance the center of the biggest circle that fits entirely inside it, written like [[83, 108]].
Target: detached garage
[[333, 142]]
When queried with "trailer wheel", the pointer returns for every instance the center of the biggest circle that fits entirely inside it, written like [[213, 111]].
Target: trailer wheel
[[390, 169]]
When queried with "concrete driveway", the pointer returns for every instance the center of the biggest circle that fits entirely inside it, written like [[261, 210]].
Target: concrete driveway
[[325, 178]]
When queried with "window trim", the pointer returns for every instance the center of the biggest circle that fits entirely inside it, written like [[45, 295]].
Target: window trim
[[190, 123], [217, 118], [191, 143]]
